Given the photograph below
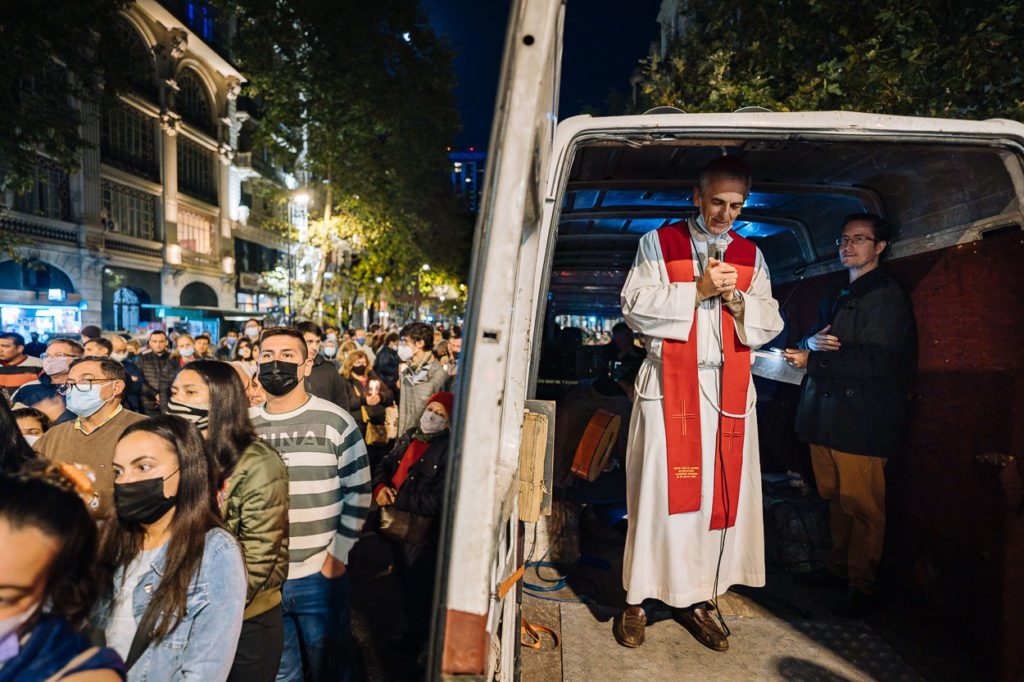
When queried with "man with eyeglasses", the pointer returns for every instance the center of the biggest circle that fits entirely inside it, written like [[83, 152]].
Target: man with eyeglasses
[[853, 406], [42, 394], [93, 391]]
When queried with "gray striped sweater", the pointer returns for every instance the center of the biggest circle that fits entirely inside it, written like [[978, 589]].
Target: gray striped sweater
[[328, 480]]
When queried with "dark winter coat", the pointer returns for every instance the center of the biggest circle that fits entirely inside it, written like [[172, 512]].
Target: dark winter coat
[[354, 399], [325, 382], [423, 491], [158, 372], [386, 365], [855, 399]]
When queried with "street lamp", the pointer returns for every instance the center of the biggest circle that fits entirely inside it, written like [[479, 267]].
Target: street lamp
[[301, 199], [419, 293], [379, 280]]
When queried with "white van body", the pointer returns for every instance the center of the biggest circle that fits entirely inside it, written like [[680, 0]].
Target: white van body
[[530, 164]]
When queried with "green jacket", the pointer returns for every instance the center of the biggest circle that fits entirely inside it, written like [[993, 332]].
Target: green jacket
[[255, 510]]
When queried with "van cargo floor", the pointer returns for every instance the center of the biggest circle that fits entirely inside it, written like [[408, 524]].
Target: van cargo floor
[[761, 648]]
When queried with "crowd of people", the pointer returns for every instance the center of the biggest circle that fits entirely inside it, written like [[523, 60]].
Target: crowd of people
[[186, 509]]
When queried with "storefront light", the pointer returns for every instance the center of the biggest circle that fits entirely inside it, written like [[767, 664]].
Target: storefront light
[[57, 295]]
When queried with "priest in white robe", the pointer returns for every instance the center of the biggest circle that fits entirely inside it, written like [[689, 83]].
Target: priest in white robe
[[674, 557]]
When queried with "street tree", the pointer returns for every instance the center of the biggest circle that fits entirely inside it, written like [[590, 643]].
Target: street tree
[[46, 76], [359, 96], [923, 57], [55, 57]]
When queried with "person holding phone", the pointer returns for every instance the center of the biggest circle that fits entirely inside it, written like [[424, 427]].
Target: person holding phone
[[367, 398]]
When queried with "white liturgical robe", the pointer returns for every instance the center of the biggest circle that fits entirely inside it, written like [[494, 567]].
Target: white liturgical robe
[[673, 558]]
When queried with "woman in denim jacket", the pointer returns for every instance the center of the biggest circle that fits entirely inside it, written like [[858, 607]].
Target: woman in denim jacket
[[177, 581]]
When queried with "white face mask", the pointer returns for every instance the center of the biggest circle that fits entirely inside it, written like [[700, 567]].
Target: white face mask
[[405, 353], [31, 440], [10, 625], [119, 355], [56, 364], [431, 422]]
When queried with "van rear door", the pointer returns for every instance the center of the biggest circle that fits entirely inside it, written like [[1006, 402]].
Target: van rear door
[[479, 533]]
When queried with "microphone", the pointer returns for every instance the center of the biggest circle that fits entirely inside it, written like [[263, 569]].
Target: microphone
[[717, 249]]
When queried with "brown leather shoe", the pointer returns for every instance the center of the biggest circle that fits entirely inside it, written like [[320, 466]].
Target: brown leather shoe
[[700, 620], [629, 628]]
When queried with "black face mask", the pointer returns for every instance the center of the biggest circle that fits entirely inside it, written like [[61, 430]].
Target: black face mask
[[142, 501], [279, 377], [359, 369]]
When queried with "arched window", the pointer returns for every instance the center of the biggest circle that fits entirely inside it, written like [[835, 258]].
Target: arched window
[[34, 275], [141, 67], [199, 294], [127, 306], [193, 101]]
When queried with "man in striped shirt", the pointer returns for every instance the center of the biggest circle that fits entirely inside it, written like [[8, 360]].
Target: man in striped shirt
[[329, 496]]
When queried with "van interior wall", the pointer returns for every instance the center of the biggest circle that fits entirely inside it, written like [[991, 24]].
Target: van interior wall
[[955, 531]]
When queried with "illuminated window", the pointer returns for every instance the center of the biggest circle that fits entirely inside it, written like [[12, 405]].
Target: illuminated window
[[199, 16], [128, 211], [195, 232]]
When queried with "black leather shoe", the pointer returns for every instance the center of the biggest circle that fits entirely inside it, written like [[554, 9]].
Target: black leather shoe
[[700, 620], [821, 578], [629, 628], [857, 604]]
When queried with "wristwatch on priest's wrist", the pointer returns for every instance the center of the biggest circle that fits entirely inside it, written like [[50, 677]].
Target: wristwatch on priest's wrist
[[737, 298]]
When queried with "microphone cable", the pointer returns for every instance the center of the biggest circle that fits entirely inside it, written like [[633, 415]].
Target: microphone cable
[[718, 444]]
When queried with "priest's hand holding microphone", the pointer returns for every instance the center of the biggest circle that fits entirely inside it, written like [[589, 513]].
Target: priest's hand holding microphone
[[719, 278]]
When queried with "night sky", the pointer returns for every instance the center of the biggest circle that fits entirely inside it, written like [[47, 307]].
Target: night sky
[[603, 41]]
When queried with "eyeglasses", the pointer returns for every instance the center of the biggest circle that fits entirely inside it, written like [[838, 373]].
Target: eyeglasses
[[857, 239], [82, 386]]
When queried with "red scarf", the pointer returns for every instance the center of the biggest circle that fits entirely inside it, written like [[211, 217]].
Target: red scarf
[[682, 390], [413, 453]]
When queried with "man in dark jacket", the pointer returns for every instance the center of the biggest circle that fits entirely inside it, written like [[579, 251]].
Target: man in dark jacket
[[854, 404], [323, 381], [158, 372]]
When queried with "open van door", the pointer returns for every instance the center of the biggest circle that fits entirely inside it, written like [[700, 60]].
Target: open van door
[[476, 627]]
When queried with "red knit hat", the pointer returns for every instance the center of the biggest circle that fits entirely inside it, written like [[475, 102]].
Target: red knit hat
[[446, 399]]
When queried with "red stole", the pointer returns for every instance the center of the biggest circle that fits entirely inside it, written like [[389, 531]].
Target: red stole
[[682, 391]]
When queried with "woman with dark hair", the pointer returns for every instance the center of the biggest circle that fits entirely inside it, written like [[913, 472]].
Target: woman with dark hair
[[14, 449], [253, 483], [245, 351], [47, 581], [174, 577], [32, 423]]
